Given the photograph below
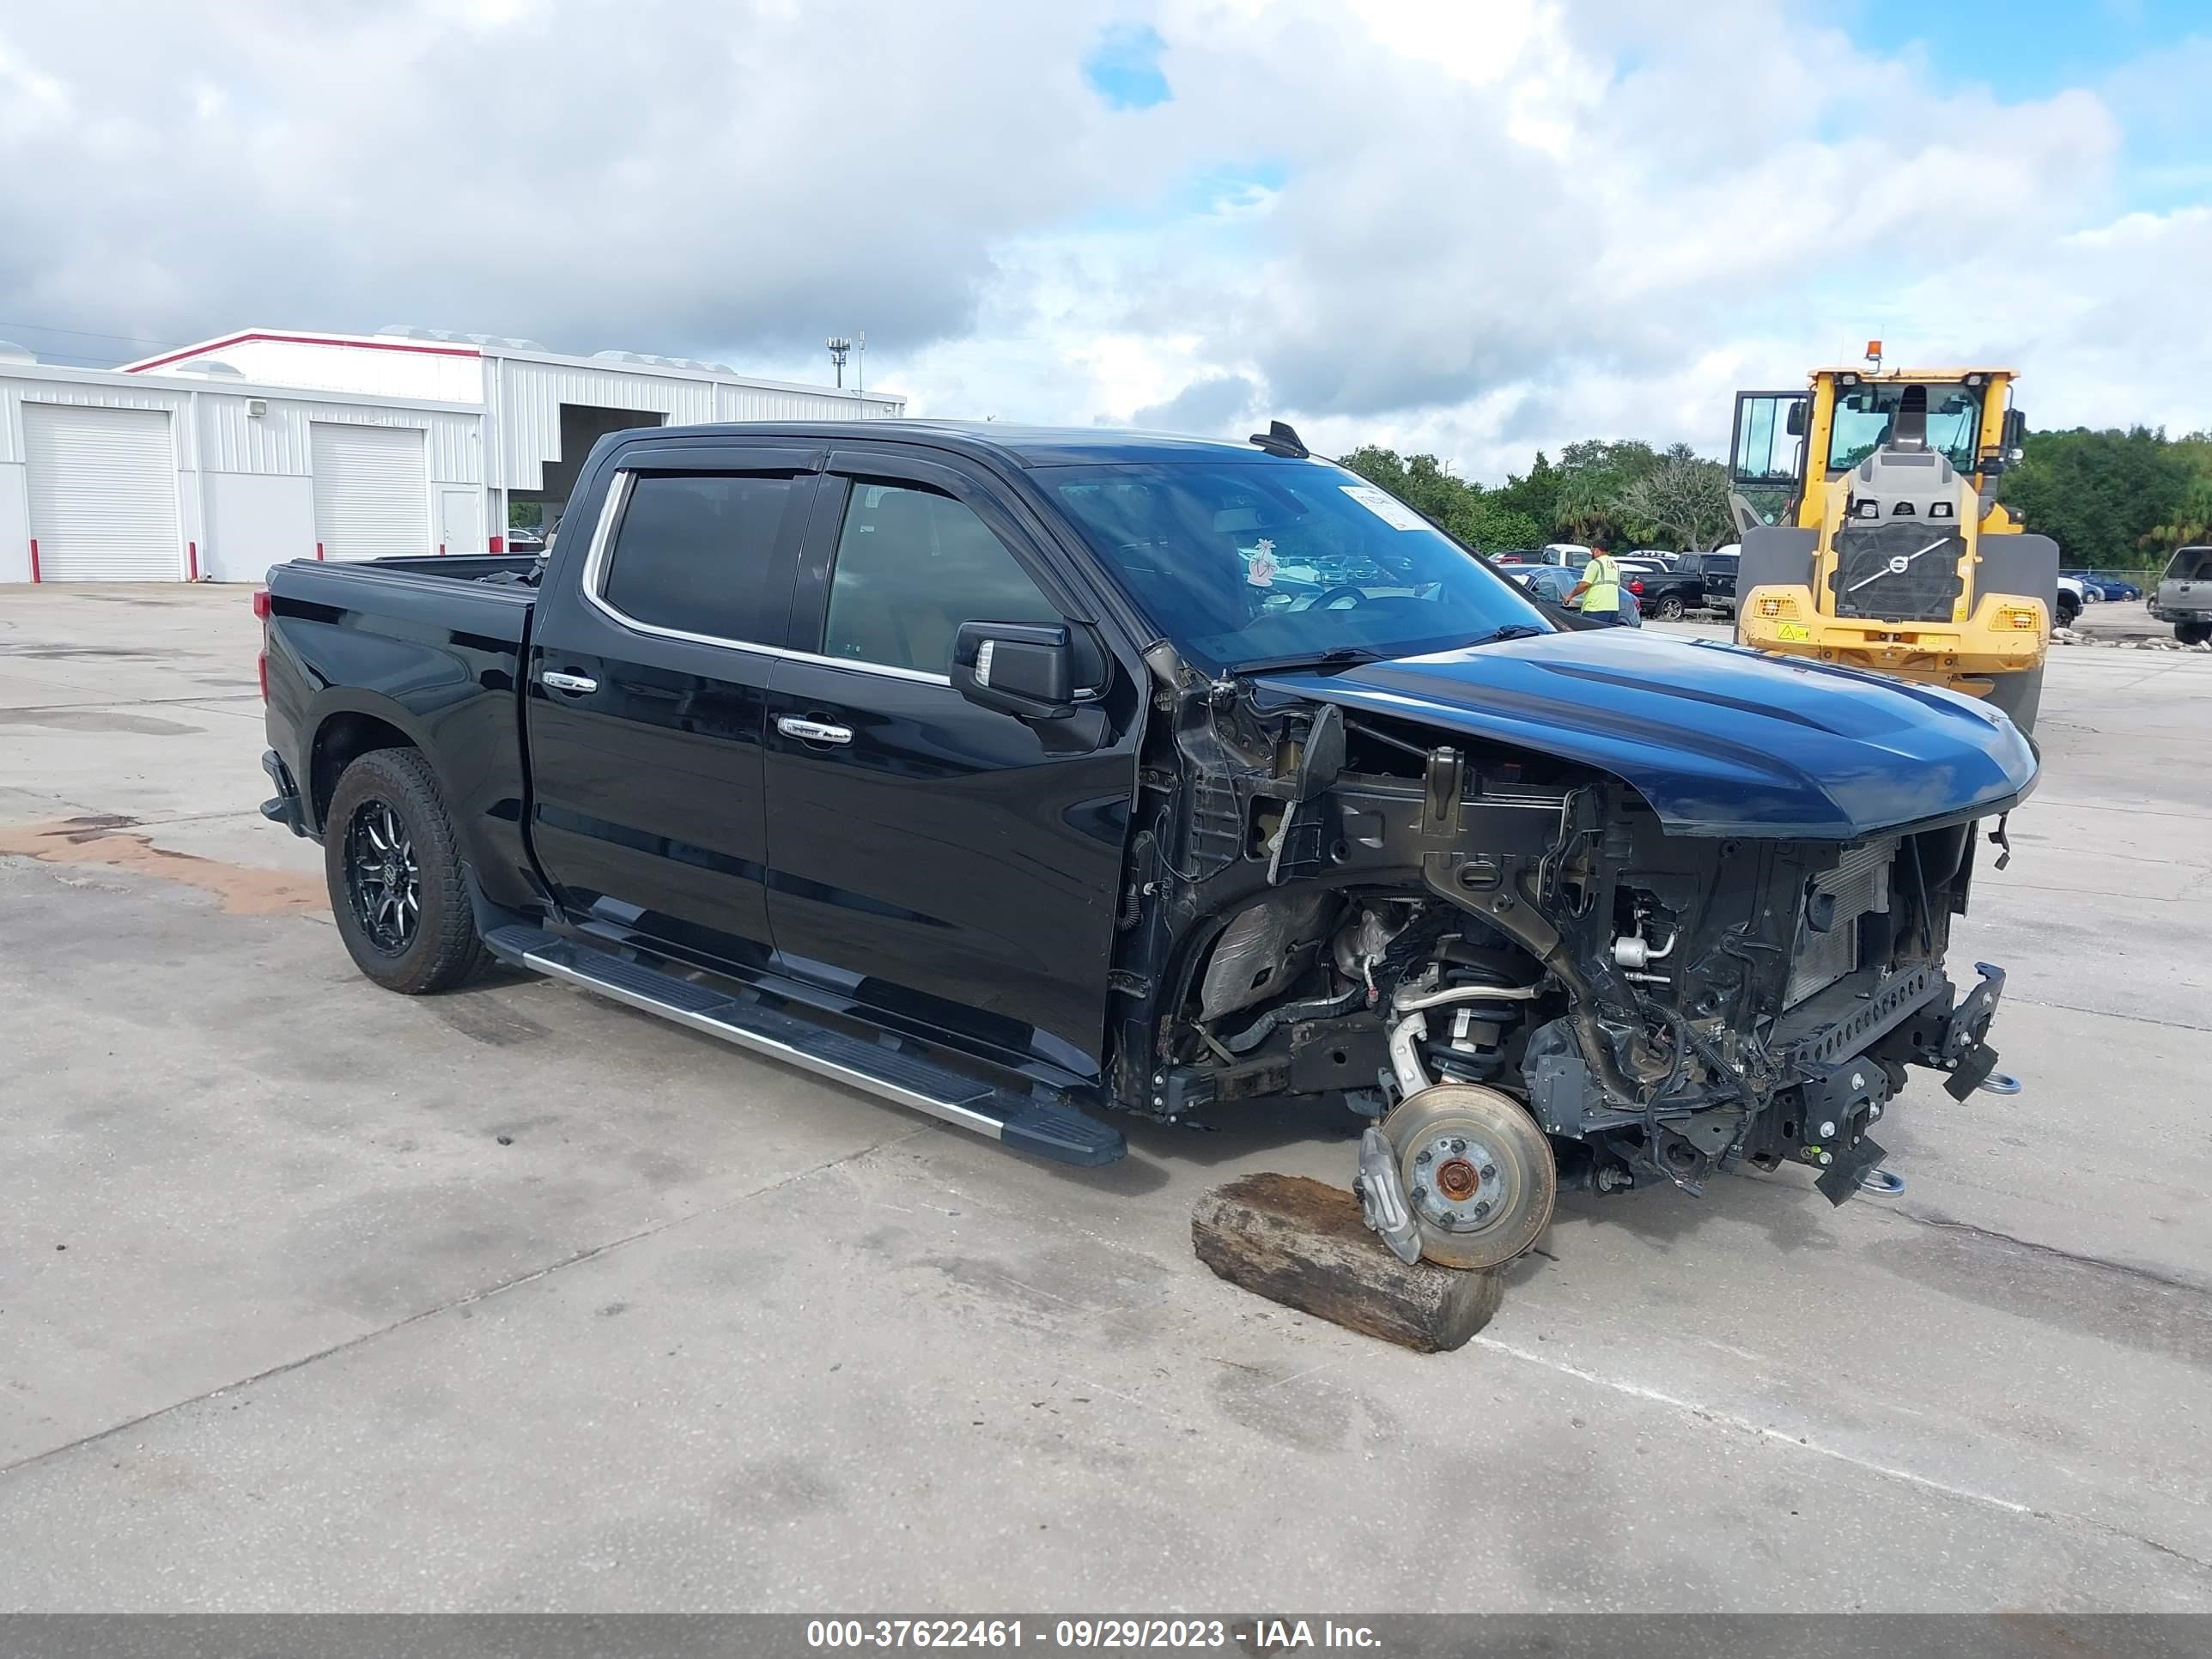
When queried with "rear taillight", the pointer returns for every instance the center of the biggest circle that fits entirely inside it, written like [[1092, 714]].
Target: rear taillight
[[261, 610], [1635, 587]]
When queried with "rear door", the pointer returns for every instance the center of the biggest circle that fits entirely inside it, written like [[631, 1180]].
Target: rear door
[[942, 863], [646, 700]]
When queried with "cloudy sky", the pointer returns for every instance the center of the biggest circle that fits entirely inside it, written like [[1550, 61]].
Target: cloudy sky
[[1477, 227]]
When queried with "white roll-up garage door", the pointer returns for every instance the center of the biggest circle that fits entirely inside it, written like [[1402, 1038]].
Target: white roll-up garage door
[[103, 494], [371, 494]]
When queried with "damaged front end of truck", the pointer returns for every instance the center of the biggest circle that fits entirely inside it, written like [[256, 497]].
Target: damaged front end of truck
[[1581, 908]]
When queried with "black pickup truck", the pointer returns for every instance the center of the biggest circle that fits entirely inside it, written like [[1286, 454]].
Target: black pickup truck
[[1022, 775]]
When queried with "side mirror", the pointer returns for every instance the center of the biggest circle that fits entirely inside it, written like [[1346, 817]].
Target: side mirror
[[1795, 425], [1023, 669], [2015, 435]]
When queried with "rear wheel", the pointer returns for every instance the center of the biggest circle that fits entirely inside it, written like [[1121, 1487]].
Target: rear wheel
[[2069, 608], [393, 866], [1670, 607], [2192, 633]]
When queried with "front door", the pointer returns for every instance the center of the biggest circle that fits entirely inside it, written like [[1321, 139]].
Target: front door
[[649, 681], [943, 863]]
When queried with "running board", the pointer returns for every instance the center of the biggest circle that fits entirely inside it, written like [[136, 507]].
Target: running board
[[1044, 1128]]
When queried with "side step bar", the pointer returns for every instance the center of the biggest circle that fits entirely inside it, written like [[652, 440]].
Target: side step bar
[[1029, 1125]]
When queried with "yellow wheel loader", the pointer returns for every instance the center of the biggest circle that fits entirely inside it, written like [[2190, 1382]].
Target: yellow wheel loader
[[1872, 536]]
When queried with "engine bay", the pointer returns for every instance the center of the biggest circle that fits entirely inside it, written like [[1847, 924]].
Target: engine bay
[[1325, 901]]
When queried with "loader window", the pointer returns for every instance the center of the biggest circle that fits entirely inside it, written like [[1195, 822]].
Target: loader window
[[1866, 416], [1767, 449]]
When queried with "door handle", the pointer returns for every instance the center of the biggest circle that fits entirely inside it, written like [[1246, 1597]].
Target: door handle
[[813, 731], [579, 684]]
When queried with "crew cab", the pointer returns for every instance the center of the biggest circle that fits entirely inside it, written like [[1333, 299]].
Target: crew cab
[[1028, 777]]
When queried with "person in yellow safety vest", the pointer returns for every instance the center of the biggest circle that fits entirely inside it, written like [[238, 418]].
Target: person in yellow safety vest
[[1600, 590]]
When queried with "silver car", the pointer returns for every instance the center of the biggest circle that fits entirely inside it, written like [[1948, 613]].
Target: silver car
[[2184, 596]]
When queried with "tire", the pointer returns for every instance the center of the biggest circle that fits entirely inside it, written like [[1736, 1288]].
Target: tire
[[2068, 609], [1670, 607], [2192, 633], [393, 866]]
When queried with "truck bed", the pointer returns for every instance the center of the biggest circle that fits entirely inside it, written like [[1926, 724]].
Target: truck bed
[[433, 647], [479, 596]]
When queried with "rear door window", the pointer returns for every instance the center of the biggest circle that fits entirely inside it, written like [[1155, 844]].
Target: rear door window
[[912, 566], [692, 551]]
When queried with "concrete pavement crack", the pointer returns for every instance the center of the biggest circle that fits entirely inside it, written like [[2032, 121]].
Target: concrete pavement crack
[[485, 1294], [2149, 1275], [2107, 1013]]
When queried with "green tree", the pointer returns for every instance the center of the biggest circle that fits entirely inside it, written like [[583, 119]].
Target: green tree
[[1682, 502], [1594, 475], [2100, 495], [1535, 495]]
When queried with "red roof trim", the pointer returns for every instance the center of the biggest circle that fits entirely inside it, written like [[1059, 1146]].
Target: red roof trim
[[208, 348]]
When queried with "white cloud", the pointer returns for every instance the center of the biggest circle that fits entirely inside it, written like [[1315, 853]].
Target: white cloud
[[1478, 229]]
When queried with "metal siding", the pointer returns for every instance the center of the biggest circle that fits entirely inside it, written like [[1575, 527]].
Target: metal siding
[[530, 395], [279, 440], [528, 402], [372, 494], [103, 492]]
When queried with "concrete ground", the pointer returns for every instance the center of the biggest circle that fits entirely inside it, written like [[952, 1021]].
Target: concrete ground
[[316, 1297]]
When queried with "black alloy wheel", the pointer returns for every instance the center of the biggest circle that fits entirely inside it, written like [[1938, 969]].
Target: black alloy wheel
[[383, 879]]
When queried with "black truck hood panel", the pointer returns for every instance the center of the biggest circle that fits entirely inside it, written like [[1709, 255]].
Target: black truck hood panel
[[1719, 739]]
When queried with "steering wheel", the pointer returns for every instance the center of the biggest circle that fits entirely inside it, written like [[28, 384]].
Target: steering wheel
[[1358, 595]]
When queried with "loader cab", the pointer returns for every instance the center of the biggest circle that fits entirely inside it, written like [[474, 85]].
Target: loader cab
[[1844, 414]]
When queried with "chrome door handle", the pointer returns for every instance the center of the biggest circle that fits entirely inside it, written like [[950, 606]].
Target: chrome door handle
[[813, 731], [579, 683]]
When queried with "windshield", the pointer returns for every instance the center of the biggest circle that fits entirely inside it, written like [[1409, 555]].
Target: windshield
[[1866, 414], [1245, 561]]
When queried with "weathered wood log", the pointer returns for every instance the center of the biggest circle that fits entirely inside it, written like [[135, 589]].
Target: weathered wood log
[[1298, 1241]]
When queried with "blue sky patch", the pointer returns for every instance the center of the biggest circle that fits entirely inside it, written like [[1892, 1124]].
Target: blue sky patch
[[1124, 67], [2025, 49]]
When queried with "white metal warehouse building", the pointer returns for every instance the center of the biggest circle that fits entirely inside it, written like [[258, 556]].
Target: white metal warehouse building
[[215, 462]]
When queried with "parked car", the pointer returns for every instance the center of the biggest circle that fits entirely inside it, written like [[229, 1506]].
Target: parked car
[[2096, 588], [2184, 595], [1560, 555], [1549, 583], [1715, 572], [986, 768], [522, 539], [1668, 594]]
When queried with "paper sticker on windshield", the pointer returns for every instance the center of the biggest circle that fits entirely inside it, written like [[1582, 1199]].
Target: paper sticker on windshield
[[1261, 573], [1385, 507]]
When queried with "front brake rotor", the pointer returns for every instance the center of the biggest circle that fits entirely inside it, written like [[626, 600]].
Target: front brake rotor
[[1478, 1173]]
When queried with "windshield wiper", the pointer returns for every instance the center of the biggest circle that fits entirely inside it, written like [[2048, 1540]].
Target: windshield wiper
[[1511, 631], [1341, 656]]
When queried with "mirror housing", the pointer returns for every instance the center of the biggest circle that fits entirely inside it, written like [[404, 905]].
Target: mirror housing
[[2015, 435], [1024, 669], [1794, 425]]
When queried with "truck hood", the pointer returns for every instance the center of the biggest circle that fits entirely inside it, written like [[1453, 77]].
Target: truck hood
[[1719, 739]]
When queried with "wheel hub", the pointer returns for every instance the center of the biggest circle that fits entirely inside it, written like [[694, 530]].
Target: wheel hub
[[1450, 1173]]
